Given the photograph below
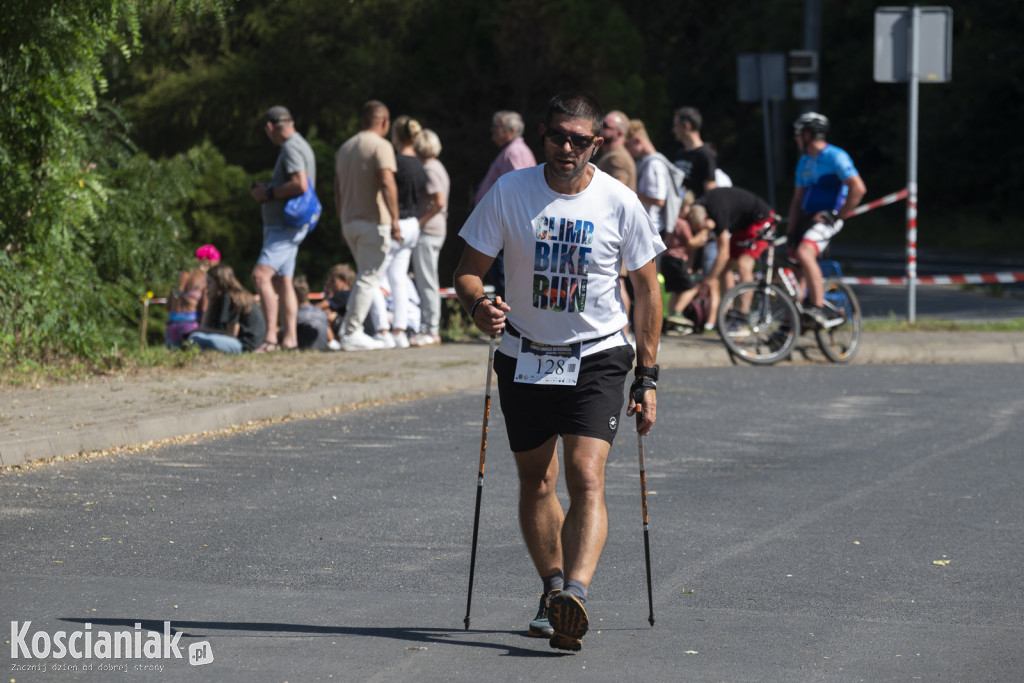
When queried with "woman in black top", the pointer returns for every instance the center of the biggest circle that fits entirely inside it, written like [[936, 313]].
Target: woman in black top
[[411, 181]]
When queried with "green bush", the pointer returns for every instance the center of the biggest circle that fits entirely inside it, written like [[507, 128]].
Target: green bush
[[85, 220]]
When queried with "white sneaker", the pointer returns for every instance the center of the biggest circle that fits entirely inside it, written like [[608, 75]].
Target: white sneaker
[[424, 339], [334, 345], [386, 340], [401, 340], [359, 341]]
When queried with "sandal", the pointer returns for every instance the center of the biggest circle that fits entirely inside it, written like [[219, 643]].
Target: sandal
[[268, 347]]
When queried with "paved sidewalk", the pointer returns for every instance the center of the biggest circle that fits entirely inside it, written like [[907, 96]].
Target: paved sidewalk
[[230, 392]]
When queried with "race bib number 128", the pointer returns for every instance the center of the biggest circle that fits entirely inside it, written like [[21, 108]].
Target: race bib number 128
[[548, 363]]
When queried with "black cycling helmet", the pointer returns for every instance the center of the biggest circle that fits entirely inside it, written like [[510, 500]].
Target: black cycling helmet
[[811, 121]]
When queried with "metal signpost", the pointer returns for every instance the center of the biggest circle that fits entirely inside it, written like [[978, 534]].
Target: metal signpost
[[913, 44], [762, 78]]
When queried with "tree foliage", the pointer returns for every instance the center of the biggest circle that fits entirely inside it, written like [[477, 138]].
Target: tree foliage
[[84, 218]]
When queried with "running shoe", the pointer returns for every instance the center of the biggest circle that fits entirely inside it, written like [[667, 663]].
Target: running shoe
[[569, 622], [540, 627], [818, 315], [359, 341]]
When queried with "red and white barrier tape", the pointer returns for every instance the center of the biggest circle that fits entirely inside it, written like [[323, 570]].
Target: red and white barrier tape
[[970, 279], [883, 201]]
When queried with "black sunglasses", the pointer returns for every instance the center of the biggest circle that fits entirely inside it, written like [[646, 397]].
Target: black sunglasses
[[577, 141]]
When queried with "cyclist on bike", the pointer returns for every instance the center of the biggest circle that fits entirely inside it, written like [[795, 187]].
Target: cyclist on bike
[[828, 188], [734, 217]]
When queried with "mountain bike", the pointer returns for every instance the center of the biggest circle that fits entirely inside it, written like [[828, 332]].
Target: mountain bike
[[760, 321]]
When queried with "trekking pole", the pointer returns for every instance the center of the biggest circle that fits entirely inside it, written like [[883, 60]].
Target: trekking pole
[[480, 474], [643, 498]]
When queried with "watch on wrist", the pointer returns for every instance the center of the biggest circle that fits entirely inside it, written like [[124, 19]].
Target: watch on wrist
[[645, 371], [270, 193]]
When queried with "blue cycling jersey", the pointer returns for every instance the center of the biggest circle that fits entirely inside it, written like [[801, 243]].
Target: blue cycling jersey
[[824, 178]]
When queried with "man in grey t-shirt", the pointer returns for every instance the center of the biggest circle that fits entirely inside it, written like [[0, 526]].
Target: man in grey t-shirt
[[294, 172]]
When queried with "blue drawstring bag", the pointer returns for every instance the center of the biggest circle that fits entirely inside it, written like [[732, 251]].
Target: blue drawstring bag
[[303, 209]]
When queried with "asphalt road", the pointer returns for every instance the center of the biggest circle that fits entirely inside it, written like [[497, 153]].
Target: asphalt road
[[812, 523]]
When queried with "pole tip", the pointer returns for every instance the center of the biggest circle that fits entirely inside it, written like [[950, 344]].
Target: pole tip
[[466, 620], [651, 619]]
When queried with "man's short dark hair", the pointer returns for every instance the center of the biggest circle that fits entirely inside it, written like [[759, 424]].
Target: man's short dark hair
[[575, 104], [374, 111], [690, 115]]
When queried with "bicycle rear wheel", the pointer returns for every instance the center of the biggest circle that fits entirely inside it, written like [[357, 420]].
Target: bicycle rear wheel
[[765, 335], [840, 343]]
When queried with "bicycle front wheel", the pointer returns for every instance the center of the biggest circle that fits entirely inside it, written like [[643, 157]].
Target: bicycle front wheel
[[763, 331], [840, 343]]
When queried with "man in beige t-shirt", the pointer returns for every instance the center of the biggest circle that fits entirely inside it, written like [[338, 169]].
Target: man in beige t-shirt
[[367, 200], [615, 159]]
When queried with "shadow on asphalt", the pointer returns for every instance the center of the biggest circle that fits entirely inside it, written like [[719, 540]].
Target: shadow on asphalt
[[256, 629]]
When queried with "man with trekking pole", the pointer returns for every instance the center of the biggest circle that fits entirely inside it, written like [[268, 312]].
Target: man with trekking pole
[[565, 228]]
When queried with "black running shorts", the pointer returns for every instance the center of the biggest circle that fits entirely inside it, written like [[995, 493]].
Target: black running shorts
[[535, 413]]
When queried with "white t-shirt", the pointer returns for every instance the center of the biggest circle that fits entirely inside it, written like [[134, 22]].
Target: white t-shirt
[[653, 180], [562, 253], [722, 179]]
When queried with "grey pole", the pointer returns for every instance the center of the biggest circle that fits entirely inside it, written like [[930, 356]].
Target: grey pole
[[914, 52], [812, 41], [766, 116]]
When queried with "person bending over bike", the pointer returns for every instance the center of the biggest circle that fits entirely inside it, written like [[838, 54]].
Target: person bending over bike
[[734, 217], [828, 189]]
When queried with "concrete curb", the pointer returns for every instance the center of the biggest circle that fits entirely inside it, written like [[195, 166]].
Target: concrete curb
[[197, 422]]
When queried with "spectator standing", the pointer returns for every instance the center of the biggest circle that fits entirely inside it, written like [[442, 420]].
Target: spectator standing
[[589, 223], [411, 186], [366, 196], [828, 188], [694, 158], [615, 159], [507, 133], [233, 322], [186, 304], [294, 172], [311, 322], [697, 160], [658, 180], [433, 229]]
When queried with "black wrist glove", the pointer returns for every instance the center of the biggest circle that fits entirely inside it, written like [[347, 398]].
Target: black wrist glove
[[639, 386], [646, 379]]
